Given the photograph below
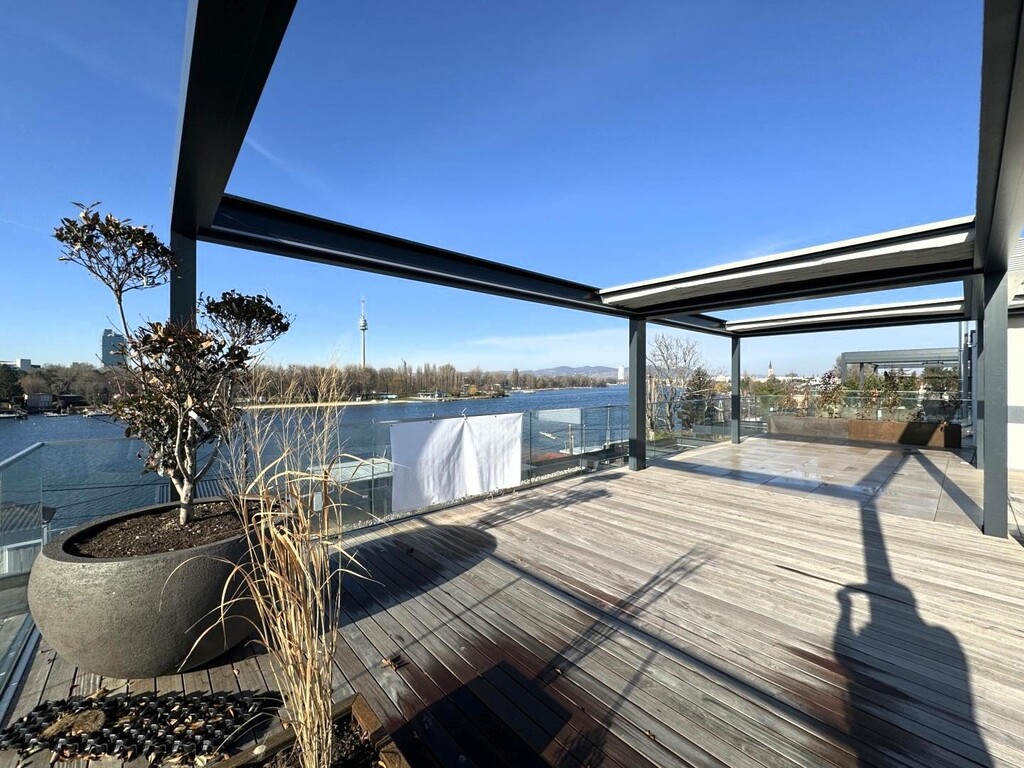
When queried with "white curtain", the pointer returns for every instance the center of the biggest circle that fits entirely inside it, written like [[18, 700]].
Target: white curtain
[[440, 461]]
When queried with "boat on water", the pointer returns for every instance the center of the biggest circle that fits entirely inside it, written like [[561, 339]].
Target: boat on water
[[13, 415], [432, 396], [94, 412], [55, 414]]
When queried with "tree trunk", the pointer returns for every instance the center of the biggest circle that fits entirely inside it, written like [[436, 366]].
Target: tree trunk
[[186, 492]]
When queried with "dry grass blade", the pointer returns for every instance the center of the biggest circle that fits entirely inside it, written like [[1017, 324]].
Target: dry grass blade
[[283, 466]]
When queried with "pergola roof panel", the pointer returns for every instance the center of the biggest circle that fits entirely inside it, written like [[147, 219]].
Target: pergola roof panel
[[948, 310], [918, 255]]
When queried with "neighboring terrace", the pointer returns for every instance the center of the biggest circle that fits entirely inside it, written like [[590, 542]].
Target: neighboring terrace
[[773, 603]]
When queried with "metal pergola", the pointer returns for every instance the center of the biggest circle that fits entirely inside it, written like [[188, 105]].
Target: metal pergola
[[230, 49]]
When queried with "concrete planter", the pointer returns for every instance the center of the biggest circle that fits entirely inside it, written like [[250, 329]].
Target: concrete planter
[[354, 705], [135, 617], [808, 426], [865, 430], [907, 433]]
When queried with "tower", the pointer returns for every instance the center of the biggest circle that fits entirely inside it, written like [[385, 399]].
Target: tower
[[771, 371], [363, 326], [112, 347]]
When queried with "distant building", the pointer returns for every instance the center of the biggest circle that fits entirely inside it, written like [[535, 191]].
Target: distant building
[[622, 373], [38, 402], [22, 364], [112, 347], [771, 371]]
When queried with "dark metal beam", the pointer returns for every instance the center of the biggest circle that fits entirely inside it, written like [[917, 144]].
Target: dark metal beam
[[1000, 201], [230, 47], [637, 394], [257, 226], [694, 322], [261, 227]]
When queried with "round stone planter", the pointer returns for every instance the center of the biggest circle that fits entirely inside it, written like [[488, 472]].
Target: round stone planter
[[140, 616]]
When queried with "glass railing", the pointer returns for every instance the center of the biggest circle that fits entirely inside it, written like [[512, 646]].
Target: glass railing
[[928, 407], [54, 486], [691, 422], [22, 512], [555, 442]]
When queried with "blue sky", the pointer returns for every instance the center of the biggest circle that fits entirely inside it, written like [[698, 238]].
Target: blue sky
[[600, 141]]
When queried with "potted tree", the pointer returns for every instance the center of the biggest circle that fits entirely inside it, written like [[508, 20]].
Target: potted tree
[[128, 596]]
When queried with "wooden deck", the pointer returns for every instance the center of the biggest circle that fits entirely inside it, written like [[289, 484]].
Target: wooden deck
[[768, 604]]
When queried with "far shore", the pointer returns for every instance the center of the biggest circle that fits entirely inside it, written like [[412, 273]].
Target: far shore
[[347, 403]]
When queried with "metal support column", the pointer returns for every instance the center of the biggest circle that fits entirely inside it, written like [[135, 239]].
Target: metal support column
[[183, 278], [992, 402], [735, 426], [637, 393], [979, 374]]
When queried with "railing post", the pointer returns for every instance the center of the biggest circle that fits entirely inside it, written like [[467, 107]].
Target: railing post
[[735, 402], [637, 393]]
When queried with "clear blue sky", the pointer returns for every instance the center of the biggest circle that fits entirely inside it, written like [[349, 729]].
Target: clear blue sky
[[600, 141]]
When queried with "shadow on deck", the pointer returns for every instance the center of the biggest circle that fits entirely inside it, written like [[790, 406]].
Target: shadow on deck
[[738, 606]]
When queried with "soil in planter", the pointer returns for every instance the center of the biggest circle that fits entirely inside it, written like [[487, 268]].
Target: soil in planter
[[152, 534], [351, 749]]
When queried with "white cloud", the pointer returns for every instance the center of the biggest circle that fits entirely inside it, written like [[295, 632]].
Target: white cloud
[[309, 180]]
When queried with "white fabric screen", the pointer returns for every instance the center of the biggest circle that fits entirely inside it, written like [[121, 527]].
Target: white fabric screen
[[440, 461]]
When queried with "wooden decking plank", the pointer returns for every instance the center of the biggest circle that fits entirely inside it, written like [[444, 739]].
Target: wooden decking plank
[[910, 662], [406, 706], [771, 576], [615, 643], [800, 697], [467, 662], [196, 681], [487, 671], [747, 599], [539, 606], [533, 663], [169, 684], [483, 735], [465, 640], [704, 492], [712, 503], [60, 683], [684, 749], [919, 718], [31, 688], [571, 693]]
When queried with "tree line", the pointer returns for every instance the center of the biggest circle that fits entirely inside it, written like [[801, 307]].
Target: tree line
[[304, 383]]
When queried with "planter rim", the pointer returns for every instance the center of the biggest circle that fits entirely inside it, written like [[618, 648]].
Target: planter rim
[[55, 549]]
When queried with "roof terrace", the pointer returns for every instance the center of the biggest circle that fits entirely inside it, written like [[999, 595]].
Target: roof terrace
[[853, 615]]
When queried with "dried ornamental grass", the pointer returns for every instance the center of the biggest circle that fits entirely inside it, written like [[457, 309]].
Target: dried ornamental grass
[[285, 469]]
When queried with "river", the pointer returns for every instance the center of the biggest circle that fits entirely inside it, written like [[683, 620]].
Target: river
[[358, 421]]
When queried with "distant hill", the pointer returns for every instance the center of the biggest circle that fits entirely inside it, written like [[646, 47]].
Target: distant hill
[[597, 371]]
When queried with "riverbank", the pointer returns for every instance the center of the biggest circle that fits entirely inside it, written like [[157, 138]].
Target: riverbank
[[397, 400]]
